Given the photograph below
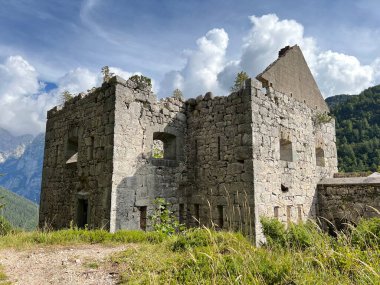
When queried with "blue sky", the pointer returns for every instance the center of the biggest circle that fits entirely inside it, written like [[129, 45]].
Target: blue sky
[[50, 46]]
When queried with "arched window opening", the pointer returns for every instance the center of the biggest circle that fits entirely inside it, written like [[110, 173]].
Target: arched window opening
[[320, 156]]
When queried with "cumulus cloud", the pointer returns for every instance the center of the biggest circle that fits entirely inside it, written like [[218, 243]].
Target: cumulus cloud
[[202, 66], [339, 73], [335, 73], [24, 102], [207, 69], [22, 108]]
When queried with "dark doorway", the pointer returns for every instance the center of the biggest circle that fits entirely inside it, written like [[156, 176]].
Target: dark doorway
[[143, 218], [82, 213]]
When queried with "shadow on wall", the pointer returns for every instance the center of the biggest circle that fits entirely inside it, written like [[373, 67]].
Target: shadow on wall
[[167, 177]]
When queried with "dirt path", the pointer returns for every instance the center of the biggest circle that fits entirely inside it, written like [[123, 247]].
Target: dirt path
[[82, 264]]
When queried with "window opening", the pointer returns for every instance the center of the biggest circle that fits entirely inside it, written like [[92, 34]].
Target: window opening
[[220, 216], [320, 157], [158, 149], [82, 213], [276, 211], [286, 151], [143, 210], [164, 146]]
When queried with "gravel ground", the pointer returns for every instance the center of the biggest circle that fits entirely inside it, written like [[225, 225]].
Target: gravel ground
[[82, 264]]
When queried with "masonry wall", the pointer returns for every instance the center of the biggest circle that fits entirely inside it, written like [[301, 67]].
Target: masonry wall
[[137, 177], [346, 200], [73, 184], [219, 163], [286, 136]]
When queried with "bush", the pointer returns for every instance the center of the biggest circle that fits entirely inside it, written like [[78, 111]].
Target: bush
[[366, 234], [274, 232], [163, 220]]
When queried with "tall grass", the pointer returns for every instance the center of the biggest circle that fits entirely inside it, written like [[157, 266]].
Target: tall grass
[[300, 254]]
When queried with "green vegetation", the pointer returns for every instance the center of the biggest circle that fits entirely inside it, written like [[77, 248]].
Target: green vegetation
[[106, 73], [66, 96], [164, 220], [177, 94], [240, 79], [142, 82], [21, 239], [301, 254], [3, 277], [358, 130], [20, 212]]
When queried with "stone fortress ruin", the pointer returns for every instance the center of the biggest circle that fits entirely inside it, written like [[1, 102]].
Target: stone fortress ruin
[[226, 161]]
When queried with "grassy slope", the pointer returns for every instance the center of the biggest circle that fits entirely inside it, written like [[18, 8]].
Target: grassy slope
[[20, 212], [301, 255]]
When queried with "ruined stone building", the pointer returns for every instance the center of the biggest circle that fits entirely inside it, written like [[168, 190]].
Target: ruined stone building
[[227, 160]]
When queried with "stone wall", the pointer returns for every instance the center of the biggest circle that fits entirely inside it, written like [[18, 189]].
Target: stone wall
[[137, 177], [78, 161], [219, 189], [286, 139], [346, 200]]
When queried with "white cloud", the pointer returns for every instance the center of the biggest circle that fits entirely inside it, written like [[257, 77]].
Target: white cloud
[[207, 69], [78, 80], [23, 101], [202, 67], [267, 36], [338, 73], [22, 108]]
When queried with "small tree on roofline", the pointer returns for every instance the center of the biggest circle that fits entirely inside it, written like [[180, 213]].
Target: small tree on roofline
[[240, 78], [106, 73], [177, 94]]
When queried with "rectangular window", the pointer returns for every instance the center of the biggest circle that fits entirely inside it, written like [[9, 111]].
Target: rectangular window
[[220, 216], [142, 210], [286, 150], [276, 211], [181, 213]]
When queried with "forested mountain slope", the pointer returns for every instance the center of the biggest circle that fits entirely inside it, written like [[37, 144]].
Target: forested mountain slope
[[357, 129], [20, 212]]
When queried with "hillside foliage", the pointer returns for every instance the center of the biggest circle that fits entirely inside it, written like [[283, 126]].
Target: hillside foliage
[[357, 130], [20, 212]]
